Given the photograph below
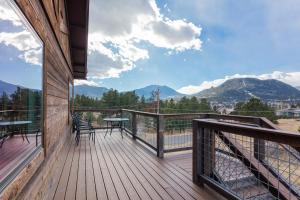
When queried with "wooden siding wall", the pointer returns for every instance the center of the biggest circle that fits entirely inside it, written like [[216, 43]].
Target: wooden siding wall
[[48, 18]]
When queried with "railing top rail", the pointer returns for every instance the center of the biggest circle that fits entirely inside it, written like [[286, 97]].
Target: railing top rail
[[95, 110], [141, 113], [274, 135]]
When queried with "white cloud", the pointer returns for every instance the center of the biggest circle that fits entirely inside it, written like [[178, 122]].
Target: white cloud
[[292, 78], [86, 82], [23, 41], [33, 56], [30, 50], [118, 29], [7, 14]]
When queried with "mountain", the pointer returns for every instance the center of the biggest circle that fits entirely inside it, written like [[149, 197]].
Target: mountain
[[297, 87], [10, 88], [91, 91], [242, 89], [165, 91]]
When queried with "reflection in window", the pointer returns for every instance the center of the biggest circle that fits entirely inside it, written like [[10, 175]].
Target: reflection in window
[[21, 55]]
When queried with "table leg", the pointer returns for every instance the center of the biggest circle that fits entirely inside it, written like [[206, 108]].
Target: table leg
[[25, 134], [111, 127], [106, 129], [121, 128]]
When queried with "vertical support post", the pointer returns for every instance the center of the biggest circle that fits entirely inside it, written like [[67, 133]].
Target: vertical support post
[[203, 153], [197, 153], [259, 145], [259, 149], [209, 152], [121, 112], [160, 135], [134, 125]]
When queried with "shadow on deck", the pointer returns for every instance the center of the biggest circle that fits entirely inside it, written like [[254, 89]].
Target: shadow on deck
[[113, 168]]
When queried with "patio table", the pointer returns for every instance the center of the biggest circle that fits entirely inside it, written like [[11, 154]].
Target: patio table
[[4, 125], [115, 122]]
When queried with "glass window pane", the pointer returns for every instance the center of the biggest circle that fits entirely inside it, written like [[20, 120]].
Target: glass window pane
[[21, 81]]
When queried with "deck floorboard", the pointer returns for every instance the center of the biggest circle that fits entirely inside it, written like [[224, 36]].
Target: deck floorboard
[[116, 168]]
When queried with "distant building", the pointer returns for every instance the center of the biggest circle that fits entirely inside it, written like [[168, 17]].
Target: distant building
[[279, 105], [291, 112]]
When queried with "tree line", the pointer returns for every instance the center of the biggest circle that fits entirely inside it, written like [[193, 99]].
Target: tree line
[[114, 99]]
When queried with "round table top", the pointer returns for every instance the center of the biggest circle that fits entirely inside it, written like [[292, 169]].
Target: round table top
[[10, 123], [115, 119]]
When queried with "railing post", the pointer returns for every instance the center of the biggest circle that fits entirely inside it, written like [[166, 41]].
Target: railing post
[[160, 135], [197, 153], [259, 144], [208, 151], [203, 153], [259, 149], [134, 125]]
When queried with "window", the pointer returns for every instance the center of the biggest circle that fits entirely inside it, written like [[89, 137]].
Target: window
[[21, 89]]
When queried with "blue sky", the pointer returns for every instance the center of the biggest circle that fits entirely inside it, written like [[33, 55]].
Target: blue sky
[[187, 45], [257, 38]]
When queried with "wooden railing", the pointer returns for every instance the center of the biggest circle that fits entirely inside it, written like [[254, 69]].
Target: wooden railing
[[246, 157], [165, 132]]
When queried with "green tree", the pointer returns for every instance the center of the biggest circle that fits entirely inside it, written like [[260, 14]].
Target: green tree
[[204, 106], [255, 107]]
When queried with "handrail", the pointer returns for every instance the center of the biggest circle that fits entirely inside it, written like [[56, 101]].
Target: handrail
[[141, 112], [209, 134], [95, 110], [241, 120], [274, 135]]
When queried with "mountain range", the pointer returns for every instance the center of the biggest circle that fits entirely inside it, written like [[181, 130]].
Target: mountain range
[[165, 92], [8, 88], [91, 91], [241, 89]]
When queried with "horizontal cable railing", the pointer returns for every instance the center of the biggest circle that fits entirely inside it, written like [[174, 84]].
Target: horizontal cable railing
[[142, 126], [246, 160]]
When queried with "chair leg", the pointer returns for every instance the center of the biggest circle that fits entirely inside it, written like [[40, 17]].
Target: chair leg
[[27, 138], [36, 139], [111, 128], [2, 142], [94, 136]]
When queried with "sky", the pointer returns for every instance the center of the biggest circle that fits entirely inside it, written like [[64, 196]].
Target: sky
[[20, 49], [187, 45]]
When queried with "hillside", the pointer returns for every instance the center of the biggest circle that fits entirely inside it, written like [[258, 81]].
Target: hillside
[[165, 91], [8, 88], [91, 91], [242, 89]]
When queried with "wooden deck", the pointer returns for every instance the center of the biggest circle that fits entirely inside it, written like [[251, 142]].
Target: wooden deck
[[113, 168]]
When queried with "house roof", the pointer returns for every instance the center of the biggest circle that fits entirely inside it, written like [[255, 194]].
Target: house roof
[[78, 16]]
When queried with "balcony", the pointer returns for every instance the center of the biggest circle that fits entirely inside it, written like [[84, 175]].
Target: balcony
[[116, 168], [180, 156]]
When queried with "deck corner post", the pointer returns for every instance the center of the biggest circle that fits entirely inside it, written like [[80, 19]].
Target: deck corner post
[[134, 125], [160, 135], [198, 164]]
